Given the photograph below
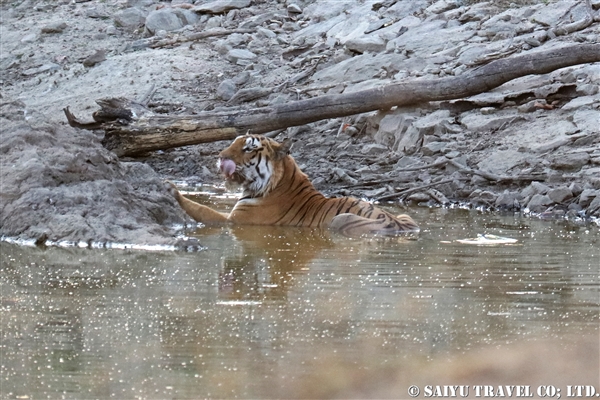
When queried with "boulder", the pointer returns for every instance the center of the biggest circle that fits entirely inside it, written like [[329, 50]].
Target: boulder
[[61, 185], [130, 18], [221, 6], [169, 19]]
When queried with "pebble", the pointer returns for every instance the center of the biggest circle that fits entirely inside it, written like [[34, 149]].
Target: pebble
[[240, 56], [29, 38], [55, 27], [226, 89], [96, 58]]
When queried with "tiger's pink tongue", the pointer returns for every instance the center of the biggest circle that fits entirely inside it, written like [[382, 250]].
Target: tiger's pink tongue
[[227, 167]]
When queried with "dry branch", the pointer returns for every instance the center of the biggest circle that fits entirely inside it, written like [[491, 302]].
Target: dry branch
[[155, 132]]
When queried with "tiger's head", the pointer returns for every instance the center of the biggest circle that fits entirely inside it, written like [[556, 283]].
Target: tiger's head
[[254, 162]]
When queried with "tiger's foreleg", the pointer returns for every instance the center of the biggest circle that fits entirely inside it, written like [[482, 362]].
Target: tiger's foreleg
[[199, 212]]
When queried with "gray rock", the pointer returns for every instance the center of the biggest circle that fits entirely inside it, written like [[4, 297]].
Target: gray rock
[[587, 120], [240, 56], [61, 184], [169, 19], [98, 11], [366, 44], [221, 6], [214, 22], [409, 142], [560, 194], [29, 38], [374, 149], [501, 161], [96, 58], [594, 207], [226, 89], [485, 197], [43, 68], [570, 162], [579, 102], [476, 122], [265, 33], [587, 196], [508, 201], [539, 203], [433, 148], [357, 69], [587, 89], [535, 188], [294, 9], [54, 27], [576, 188], [443, 5], [130, 18]]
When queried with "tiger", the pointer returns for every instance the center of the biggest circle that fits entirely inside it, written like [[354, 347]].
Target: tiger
[[276, 192]]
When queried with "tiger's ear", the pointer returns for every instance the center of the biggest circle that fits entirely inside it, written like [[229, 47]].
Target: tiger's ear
[[283, 149]]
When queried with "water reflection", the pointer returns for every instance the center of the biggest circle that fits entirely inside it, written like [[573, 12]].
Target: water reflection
[[287, 312]]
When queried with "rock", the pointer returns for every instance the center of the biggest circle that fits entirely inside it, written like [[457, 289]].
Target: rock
[[587, 89], [374, 149], [539, 203], [240, 56], [130, 18], [501, 161], [344, 176], [226, 89], [96, 58], [508, 201], [43, 68], [29, 38], [587, 196], [60, 184], [54, 27], [576, 188], [221, 6], [535, 188], [570, 162], [98, 12], [437, 123], [366, 44], [485, 197], [357, 69], [169, 19], [294, 9], [476, 122], [443, 5], [579, 102], [594, 207], [433, 148], [560, 194], [587, 120]]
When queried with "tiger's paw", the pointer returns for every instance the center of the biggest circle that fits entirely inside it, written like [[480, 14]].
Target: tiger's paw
[[172, 189]]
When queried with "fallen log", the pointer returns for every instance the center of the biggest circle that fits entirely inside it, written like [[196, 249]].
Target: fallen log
[[149, 132]]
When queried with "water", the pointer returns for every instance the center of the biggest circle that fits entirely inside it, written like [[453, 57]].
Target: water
[[284, 312]]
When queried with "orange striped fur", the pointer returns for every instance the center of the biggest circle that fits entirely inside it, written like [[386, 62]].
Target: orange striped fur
[[277, 192]]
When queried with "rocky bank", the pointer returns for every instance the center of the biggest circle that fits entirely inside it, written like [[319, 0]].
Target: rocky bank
[[531, 145]]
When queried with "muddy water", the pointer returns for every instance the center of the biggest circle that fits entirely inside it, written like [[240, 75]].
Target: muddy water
[[265, 312]]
